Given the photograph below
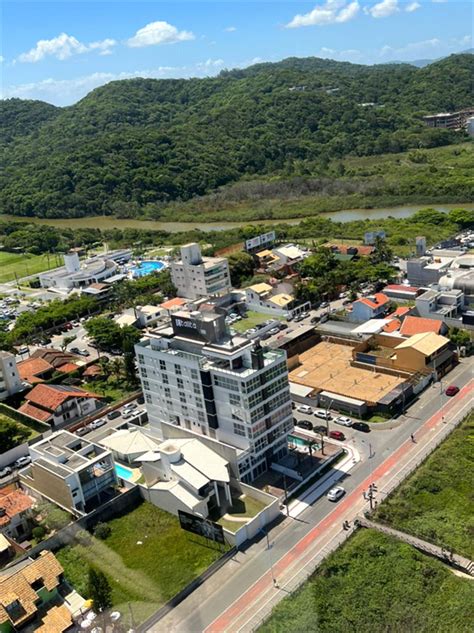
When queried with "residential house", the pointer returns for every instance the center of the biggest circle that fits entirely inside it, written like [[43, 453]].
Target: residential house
[[439, 305], [15, 512], [260, 297], [289, 255], [56, 357], [416, 325], [127, 445], [70, 471], [371, 307], [400, 291], [184, 474], [35, 370], [10, 379], [58, 404], [30, 594], [174, 305], [426, 350]]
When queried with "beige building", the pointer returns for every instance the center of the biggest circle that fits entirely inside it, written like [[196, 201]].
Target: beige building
[[260, 298], [426, 350], [196, 276]]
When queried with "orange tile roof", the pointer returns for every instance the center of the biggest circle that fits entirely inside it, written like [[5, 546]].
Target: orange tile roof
[[57, 620], [17, 586], [54, 356], [12, 504], [380, 300], [92, 370], [402, 288], [392, 326], [50, 397], [417, 325], [68, 368], [173, 303], [32, 368], [400, 311], [35, 412]]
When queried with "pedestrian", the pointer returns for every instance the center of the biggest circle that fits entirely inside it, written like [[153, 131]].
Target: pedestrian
[[412, 438], [275, 583]]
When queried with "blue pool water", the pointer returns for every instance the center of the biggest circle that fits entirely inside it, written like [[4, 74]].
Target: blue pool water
[[147, 267], [122, 472]]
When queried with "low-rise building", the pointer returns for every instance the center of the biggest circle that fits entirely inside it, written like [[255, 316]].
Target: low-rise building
[[10, 379], [368, 308], [401, 291], [261, 298], [439, 305], [58, 404], [70, 471], [196, 276], [15, 513], [30, 588], [424, 271], [426, 350], [417, 325]]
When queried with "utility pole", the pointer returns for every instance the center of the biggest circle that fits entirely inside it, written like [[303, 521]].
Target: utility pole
[[286, 495], [274, 580], [370, 495], [327, 416]]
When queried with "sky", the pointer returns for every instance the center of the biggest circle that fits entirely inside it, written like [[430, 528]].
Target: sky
[[59, 51]]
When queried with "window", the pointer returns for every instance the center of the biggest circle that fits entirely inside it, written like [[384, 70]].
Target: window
[[239, 429], [162, 365], [146, 384], [165, 379], [182, 397], [148, 398], [226, 383], [167, 392], [194, 374], [234, 399], [177, 370], [180, 383]]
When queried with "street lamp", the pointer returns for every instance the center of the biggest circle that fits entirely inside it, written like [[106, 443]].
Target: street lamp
[[327, 415], [274, 580]]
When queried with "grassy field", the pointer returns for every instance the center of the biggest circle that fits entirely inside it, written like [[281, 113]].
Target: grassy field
[[147, 559], [244, 507], [252, 319], [437, 503], [23, 265], [32, 432], [377, 584]]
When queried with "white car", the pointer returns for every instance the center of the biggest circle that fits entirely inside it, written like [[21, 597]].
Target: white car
[[304, 408], [323, 414], [96, 424], [343, 420], [336, 493]]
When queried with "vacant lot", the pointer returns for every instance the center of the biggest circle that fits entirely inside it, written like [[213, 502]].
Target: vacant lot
[[23, 265], [437, 502], [147, 559], [377, 584], [252, 319]]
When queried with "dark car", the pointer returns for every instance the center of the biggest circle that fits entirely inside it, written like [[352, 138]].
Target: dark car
[[305, 424], [337, 435], [320, 429], [315, 319], [141, 400], [452, 390], [361, 426], [283, 326], [114, 414], [265, 336]]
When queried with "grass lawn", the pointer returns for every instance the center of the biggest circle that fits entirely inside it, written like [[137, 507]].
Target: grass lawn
[[32, 430], [145, 575], [24, 264], [244, 507], [111, 391], [376, 584], [252, 319], [437, 503]]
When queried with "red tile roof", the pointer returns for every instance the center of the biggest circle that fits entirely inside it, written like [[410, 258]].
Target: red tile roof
[[92, 370], [173, 303], [52, 396], [35, 412], [402, 288], [375, 301], [54, 356], [399, 312], [417, 325], [68, 368], [392, 326], [13, 503], [32, 368]]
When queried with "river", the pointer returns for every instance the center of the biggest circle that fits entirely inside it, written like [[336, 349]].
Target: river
[[110, 222]]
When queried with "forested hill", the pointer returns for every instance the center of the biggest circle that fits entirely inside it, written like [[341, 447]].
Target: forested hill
[[146, 141]]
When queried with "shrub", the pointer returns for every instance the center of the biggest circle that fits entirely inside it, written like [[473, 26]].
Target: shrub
[[102, 531], [38, 533]]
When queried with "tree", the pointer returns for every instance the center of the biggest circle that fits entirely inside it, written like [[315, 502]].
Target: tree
[[11, 434], [460, 337], [99, 590], [382, 252], [52, 517], [241, 267], [65, 342]]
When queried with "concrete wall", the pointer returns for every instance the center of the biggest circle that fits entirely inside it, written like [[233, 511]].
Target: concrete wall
[[263, 518], [166, 500], [7, 458]]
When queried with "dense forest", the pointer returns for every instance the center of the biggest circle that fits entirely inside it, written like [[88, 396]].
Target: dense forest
[[141, 143]]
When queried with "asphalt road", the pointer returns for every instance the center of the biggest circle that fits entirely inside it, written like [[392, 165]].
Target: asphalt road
[[215, 596]]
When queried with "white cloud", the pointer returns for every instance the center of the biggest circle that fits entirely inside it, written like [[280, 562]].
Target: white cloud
[[439, 1], [383, 9], [62, 47], [230, 29], [158, 33], [331, 12], [2, 59], [210, 65], [412, 6], [349, 55]]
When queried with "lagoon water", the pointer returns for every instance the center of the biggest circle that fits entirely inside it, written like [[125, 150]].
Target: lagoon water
[[110, 222]]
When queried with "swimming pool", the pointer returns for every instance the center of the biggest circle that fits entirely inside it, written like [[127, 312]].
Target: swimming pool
[[123, 473], [147, 267]]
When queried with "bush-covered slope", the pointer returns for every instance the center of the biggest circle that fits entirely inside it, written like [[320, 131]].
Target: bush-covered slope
[[145, 141]]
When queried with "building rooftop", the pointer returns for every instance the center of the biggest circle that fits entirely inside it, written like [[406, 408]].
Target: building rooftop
[[374, 301], [13, 502], [416, 325], [65, 452], [31, 369], [426, 342], [174, 303], [129, 442], [261, 288], [281, 299], [53, 396]]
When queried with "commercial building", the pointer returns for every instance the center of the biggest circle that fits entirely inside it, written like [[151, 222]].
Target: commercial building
[[75, 274], [56, 404], [70, 471], [10, 380], [198, 378], [196, 276], [435, 304], [426, 350], [449, 120], [30, 595], [427, 270]]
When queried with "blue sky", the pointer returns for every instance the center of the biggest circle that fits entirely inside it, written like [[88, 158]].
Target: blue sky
[[59, 51]]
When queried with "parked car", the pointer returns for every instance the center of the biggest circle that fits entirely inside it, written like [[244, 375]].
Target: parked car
[[130, 405], [304, 408], [141, 400], [273, 331], [96, 424], [315, 320], [452, 390], [113, 414], [304, 315], [337, 435], [298, 318], [336, 493], [83, 430], [4, 472], [323, 414], [23, 350], [283, 326], [305, 424], [265, 336], [343, 420], [22, 461], [317, 428], [361, 426], [324, 304]]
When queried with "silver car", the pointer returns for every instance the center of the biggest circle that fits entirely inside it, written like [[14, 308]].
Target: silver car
[[343, 420], [336, 493]]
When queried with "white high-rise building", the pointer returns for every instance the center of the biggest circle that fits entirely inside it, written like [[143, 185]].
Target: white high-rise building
[[10, 381], [197, 377], [196, 276]]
